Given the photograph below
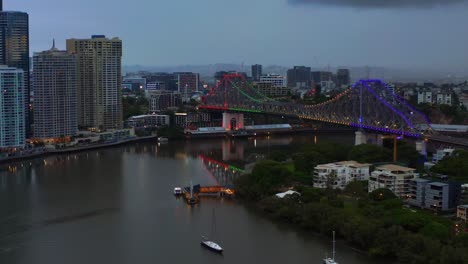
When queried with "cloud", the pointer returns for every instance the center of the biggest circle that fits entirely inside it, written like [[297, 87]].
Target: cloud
[[379, 3]]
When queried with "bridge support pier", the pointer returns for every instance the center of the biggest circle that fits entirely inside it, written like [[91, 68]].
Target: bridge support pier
[[365, 138], [233, 121], [421, 147]]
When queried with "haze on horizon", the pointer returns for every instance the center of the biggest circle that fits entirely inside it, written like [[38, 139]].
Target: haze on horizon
[[427, 34]]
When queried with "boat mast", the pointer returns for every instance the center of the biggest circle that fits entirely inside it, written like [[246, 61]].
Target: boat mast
[[334, 245], [191, 189]]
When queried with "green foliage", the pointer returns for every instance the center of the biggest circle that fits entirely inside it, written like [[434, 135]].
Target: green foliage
[[456, 166], [266, 177], [134, 106], [357, 188], [382, 194], [171, 132], [367, 153], [278, 155]]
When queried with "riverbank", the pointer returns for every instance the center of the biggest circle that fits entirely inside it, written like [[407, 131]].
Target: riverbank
[[75, 149], [377, 224]]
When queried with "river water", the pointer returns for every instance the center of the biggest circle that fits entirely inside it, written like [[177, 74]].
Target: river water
[[116, 206]]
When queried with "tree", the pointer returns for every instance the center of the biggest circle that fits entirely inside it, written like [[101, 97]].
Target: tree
[[368, 153]]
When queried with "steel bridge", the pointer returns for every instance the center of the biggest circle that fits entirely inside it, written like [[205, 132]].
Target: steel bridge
[[367, 105]]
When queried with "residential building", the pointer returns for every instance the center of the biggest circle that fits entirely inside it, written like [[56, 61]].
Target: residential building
[[148, 121], [462, 213], [275, 80], [269, 90], [99, 81], [12, 111], [441, 154], [444, 97], [424, 96], [343, 78], [256, 72], [160, 100], [14, 51], [299, 77], [434, 195], [393, 177], [55, 94], [340, 174]]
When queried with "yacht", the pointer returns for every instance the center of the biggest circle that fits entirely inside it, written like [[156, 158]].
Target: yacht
[[177, 191], [209, 243], [332, 259], [162, 139]]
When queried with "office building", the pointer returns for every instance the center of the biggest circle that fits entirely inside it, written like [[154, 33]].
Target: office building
[[322, 76], [161, 81], [424, 96], [14, 51], [267, 89], [55, 94], [299, 77], [343, 78], [160, 100], [393, 177], [99, 81], [275, 80], [134, 83], [187, 84], [444, 97], [256, 72], [434, 195], [339, 174], [12, 111]]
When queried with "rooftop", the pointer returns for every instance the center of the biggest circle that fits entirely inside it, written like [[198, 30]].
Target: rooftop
[[349, 163], [463, 206], [393, 167]]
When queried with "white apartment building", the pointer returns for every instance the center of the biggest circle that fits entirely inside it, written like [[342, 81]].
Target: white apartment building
[[339, 174], [275, 80], [393, 177], [424, 96], [444, 98]]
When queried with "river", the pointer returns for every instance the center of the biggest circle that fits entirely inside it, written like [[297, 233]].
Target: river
[[116, 205]]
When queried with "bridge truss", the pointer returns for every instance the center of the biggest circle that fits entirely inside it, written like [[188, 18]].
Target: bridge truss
[[368, 104]]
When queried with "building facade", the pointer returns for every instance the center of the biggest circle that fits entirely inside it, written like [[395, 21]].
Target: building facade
[[424, 96], [434, 195], [163, 100], [393, 177], [187, 84], [269, 90], [256, 72], [55, 94], [148, 121], [275, 80], [99, 81], [462, 213], [339, 174], [343, 78], [299, 77], [14, 51], [12, 111]]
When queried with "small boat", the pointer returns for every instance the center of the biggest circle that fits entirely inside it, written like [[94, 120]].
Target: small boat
[[332, 259], [209, 243], [177, 191], [162, 139]]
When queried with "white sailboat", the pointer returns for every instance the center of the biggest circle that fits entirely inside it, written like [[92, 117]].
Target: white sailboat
[[332, 259], [209, 243]]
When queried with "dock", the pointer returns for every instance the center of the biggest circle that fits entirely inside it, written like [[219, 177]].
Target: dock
[[192, 197]]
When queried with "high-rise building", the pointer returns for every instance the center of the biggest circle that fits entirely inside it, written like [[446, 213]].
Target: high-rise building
[[322, 76], [14, 49], [55, 94], [162, 100], [12, 111], [256, 72], [99, 81], [343, 77], [299, 77]]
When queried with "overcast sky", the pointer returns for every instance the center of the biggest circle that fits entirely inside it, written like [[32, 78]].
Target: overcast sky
[[397, 33]]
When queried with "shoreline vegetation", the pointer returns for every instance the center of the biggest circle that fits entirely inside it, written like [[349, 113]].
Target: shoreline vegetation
[[377, 223]]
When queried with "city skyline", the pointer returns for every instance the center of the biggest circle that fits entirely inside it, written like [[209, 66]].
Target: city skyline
[[308, 33]]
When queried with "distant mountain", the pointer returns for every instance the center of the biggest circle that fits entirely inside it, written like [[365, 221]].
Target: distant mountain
[[357, 72]]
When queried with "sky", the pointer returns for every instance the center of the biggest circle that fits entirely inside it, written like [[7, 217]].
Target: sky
[[430, 34]]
